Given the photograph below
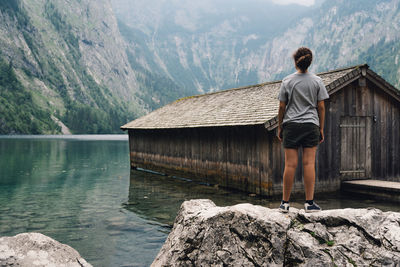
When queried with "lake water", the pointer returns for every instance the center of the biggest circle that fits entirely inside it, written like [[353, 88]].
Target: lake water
[[80, 191]]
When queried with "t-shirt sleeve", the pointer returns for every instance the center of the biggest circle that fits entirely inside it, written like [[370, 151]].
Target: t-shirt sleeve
[[283, 94], [322, 92]]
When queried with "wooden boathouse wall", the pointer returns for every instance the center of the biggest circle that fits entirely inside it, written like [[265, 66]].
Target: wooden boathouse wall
[[361, 141], [362, 131], [362, 134], [234, 157]]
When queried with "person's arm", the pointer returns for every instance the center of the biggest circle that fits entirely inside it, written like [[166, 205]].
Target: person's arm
[[321, 116], [281, 114]]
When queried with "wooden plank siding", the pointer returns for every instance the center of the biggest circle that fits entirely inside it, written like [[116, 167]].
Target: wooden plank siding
[[250, 158], [358, 100], [355, 146], [230, 153], [234, 157], [385, 136]]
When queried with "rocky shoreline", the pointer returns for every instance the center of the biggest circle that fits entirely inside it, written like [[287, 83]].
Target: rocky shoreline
[[250, 235], [35, 249], [245, 235]]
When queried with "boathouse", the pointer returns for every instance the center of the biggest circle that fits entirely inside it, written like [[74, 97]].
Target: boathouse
[[229, 137]]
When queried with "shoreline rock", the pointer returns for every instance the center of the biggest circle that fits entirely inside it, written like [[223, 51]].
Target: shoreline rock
[[250, 235], [35, 249]]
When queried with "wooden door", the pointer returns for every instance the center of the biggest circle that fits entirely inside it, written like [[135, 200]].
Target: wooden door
[[355, 151]]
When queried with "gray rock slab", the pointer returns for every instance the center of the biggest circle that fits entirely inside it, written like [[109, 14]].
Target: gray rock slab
[[251, 235], [37, 250]]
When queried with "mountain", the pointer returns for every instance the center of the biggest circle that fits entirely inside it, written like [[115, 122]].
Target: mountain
[[65, 66], [343, 33], [85, 66], [213, 45], [204, 45]]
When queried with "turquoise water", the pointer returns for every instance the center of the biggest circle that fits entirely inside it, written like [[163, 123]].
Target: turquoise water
[[80, 191], [73, 190]]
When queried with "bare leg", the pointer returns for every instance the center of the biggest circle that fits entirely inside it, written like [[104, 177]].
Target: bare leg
[[309, 171], [291, 159]]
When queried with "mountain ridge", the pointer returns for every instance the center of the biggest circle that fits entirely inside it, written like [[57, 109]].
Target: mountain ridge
[[327, 28], [89, 67]]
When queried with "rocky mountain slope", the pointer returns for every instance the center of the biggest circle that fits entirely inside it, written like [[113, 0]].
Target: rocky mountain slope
[[213, 45], [86, 66], [343, 33], [67, 64], [204, 45]]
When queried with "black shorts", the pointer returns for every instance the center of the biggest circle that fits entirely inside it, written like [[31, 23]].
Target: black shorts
[[300, 135]]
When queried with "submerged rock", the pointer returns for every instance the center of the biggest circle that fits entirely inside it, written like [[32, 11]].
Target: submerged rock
[[34, 249], [249, 235]]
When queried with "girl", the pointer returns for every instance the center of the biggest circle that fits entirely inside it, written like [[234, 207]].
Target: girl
[[301, 125]]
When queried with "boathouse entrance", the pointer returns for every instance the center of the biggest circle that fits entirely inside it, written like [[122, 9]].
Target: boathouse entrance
[[355, 151]]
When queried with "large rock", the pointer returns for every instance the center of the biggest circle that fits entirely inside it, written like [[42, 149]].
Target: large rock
[[34, 249], [249, 235]]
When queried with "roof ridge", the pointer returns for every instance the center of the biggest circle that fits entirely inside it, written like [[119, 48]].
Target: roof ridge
[[342, 69]]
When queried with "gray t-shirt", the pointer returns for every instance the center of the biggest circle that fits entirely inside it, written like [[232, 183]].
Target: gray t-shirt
[[301, 92]]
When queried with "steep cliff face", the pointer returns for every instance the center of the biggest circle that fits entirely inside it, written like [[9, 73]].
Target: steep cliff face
[[70, 59], [213, 45], [205, 45], [343, 33]]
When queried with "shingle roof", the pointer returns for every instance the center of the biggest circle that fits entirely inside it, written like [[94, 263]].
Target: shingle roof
[[252, 105]]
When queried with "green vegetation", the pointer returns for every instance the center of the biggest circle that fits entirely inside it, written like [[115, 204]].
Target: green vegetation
[[85, 106], [90, 109], [155, 90], [85, 119], [352, 262], [12, 8], [320, 239], [19, 114], [384, 59], [330, 243]]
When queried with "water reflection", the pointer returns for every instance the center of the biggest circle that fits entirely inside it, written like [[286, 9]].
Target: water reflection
[[157, 197]]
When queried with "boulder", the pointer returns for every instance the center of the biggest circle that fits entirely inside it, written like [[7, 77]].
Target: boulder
[[250, 235], [34, 249]]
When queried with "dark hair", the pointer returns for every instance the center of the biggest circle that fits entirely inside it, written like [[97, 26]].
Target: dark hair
[[303, 58]]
